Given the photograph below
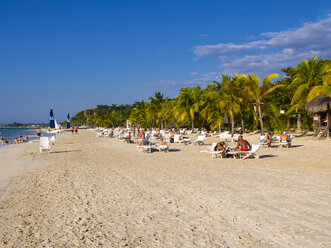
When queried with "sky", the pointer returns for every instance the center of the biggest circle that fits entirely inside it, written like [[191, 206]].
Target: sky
[[73, 55]]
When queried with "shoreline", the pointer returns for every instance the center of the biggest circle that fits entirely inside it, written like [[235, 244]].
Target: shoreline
[[101, 191]]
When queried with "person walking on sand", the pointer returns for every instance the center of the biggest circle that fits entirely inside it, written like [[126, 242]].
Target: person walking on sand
[[76, 130], [38, 131], [72, 130]]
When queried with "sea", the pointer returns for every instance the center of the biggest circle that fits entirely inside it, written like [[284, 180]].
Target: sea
[[12, 133]]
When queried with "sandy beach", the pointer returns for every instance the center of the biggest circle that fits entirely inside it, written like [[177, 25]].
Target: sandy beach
[[100, 192]]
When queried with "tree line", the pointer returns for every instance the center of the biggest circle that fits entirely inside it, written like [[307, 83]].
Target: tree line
[[243, 102]]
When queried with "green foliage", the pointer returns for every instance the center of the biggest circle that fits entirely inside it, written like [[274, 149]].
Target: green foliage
[[240, 99]]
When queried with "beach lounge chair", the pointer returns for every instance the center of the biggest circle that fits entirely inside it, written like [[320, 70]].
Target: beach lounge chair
[[225, 136], [52, 140], [164, 148], [235, 137], [213, 152], [263, 142], [178, 139], [199, 140], [44, 144], [246, 154]]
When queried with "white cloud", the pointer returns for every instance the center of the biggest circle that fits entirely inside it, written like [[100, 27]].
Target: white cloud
[[271, 53], [200, 79], [264, 55]]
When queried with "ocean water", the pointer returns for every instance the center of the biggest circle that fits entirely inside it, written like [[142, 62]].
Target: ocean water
[[12, 133]]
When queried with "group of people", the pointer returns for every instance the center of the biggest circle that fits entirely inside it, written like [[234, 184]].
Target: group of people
[[18, 140], [74, 130], [283, 138], [242, 145]]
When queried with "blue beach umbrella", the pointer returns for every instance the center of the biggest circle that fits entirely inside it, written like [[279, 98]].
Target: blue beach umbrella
[[51, 122], [68, 121]]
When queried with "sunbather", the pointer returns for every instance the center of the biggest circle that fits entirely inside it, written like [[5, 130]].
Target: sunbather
[[4, 141], [26, 139], [220, 146], [242, 145], [285, 138], [267, 139]]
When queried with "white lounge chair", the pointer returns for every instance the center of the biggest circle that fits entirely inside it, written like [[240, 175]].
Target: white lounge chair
[[178, 139], [52, 140], [263, 142], [199, 140], [44, 144], [164, 148], [213, 152], [247, 154]]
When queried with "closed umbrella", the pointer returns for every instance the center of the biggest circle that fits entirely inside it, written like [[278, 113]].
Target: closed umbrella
[[51, 122], [68, 121]]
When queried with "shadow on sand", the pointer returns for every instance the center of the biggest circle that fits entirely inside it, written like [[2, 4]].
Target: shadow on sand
[[294, 146], [174, 150], [66, 151], [268, 156]]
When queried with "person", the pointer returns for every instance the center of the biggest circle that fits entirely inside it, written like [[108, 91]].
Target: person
[[142, 135], [76, 130], [285, 138], [162, 143], [242, 145], [4, 141], [38, 131], [72, 130], [26, 139], [128, 137], [220, 146], [267, 139]]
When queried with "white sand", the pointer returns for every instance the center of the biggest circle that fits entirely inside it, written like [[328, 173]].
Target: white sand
[[103, 193]]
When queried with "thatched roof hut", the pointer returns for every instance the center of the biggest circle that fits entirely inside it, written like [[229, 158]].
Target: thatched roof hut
[[171, 125], [319, 104]]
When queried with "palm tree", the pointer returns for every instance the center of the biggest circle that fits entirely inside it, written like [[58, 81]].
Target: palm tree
[[154, 108], [257, 94], [138, 114], [166, 113], [228, 97], [187, 103], [210, 107], [239, 83], [311, 78]]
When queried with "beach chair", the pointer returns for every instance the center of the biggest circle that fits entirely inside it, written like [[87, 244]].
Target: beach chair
[[246, 154], [178, 139], [52, 140], [44, 144], [213, 152], [263, 142], [199, 140], [164, 148], [225, 136], [235, 137]]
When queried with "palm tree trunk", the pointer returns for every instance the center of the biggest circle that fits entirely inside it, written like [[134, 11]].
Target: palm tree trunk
[[219, 127], [192, 121], [242, 120], [260, 115], [232, 122], [299, 123]]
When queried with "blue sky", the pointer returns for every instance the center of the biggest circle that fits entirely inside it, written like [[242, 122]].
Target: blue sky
[[74, 55]]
